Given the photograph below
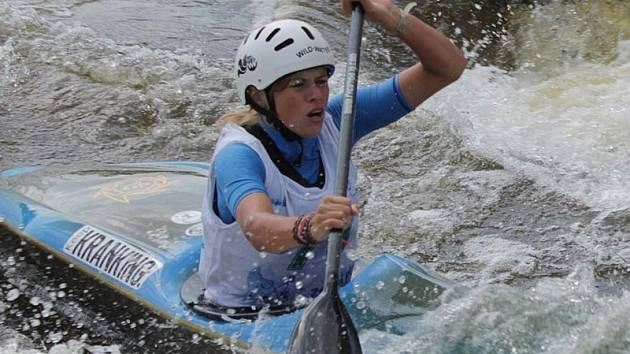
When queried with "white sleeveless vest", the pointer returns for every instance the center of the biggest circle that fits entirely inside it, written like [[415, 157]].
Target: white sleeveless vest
[[233, 272]]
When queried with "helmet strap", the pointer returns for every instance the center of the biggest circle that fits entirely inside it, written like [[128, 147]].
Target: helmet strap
[[273, 119], [276, 122]]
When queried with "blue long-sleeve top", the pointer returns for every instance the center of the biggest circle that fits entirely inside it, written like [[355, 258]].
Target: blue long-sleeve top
[[239, 171]]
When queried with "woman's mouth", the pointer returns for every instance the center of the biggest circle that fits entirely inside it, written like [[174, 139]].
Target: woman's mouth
[[316, 114]]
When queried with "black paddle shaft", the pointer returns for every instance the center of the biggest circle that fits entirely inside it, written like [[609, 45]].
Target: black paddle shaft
[[326, 326], [345, 139]]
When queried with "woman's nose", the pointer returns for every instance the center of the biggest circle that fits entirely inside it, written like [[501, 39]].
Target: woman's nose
[[315, 93]]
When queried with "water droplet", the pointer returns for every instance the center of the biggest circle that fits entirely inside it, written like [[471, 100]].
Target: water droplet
[[301, 300], [263, 254], [360, 305], [13, 294], [402, 279], [380, 285], [352, 255], [11, 260], [63, 286], [307, 196], [298, 285], [310, 255], [55, 337], [35, 301], [61, 294]]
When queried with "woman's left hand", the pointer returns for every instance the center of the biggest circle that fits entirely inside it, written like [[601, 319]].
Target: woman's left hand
[[440, 61], [382, 12]]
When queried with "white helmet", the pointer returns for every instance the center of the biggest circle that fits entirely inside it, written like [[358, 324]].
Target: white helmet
[[278, 49]]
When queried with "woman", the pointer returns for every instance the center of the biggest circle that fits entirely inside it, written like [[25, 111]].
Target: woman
[[269, 205]]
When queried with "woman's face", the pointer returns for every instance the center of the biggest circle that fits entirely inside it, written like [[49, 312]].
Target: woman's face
[[301, 101]]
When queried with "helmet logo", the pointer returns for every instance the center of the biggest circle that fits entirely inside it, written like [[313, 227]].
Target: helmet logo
[[311, 49], [247, 63]]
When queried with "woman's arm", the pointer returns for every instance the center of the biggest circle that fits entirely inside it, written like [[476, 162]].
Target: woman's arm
[[273, 233], [239, 175], [440, 62], [377, 106]]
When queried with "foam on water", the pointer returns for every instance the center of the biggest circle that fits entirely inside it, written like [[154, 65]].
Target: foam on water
[[554, 316], [563, 116]]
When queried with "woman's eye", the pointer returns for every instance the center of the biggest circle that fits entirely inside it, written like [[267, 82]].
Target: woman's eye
[[296, 83], [321, 82]]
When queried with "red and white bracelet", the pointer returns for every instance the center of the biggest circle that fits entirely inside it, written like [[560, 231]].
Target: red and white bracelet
[[301, 231]]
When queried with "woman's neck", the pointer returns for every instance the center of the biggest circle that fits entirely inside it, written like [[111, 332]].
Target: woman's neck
[[291, 149]]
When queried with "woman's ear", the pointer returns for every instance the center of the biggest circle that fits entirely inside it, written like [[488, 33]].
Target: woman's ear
[[258, 97]]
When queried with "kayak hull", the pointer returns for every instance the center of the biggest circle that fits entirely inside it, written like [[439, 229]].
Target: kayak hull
[[137, 229]]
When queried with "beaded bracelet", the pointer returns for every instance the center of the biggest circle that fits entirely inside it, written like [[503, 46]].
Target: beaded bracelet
[[305, 232], [301, 230], [295, 230]]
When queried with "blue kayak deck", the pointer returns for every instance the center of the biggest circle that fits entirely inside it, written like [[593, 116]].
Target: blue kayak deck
[[137, 228]]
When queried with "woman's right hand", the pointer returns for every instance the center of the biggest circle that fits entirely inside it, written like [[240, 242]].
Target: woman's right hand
[[334, 212]]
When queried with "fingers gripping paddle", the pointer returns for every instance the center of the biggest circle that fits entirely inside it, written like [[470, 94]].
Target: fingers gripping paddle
[[326, 326]]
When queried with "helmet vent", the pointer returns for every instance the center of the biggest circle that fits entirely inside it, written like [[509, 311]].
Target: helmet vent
[[286, 43], [273, 33], [259, 32], [308, 33]]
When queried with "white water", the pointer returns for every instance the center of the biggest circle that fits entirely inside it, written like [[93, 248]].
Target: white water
[[561, 119], [555, 316]]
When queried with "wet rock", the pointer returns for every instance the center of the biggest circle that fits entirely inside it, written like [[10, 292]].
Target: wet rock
[[616, 221]]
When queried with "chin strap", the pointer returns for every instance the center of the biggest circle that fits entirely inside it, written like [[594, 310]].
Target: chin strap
[[273, 119]]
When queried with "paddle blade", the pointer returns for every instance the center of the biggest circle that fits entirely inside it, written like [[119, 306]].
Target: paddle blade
[[325, 327]]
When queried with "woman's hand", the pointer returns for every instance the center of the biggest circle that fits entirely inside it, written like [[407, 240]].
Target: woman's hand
[[440, 61], [270, 232], [382, 12], [334, 212]]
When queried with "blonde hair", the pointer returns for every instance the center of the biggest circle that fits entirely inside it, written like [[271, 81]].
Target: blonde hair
[[245, 116]]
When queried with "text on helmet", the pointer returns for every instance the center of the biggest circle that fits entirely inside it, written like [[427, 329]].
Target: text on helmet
[[311, 49]]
